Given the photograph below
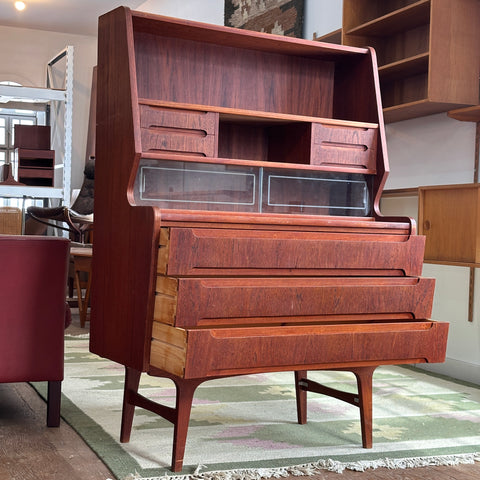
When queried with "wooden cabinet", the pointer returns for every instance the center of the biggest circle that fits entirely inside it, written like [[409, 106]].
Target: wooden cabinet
[[449, 218], [427, 52], [35, 159], [245, 171]]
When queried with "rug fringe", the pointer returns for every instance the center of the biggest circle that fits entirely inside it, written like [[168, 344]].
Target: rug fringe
[[316, 467]]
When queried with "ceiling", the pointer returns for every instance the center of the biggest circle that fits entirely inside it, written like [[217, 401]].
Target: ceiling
[[68, 16]]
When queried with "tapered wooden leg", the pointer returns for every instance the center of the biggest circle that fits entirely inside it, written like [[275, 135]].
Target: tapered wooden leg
[[301, 395], [179, 416], [132, 380], [54, 399], [363, 399], [364, 382], [185, 392]]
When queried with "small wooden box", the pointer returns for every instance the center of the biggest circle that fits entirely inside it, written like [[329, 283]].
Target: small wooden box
[[448, 217], [36, 167], [35, 137]]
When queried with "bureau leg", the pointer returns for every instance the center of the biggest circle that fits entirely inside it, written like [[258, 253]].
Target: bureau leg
[[185, 392], [179, 416], [362, 399], [364, 382], [132, 379], [301, 396]]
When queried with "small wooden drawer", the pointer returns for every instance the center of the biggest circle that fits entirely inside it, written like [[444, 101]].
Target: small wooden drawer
[[201, 302], [222, 252], [179, 131], [334, 145], [36, 172]]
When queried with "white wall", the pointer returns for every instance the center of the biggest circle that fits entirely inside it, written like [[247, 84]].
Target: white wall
[[23, 58], [428, 151], [209, 11], [322, 17]]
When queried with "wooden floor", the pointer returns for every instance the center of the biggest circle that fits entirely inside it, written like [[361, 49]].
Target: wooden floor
[[31, 451]]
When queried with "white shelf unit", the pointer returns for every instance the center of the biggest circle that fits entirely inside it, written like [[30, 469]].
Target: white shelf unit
[[55, 99]]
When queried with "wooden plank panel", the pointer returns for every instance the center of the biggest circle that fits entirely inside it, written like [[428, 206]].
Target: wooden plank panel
[[163, 251], [168, 349], [165, 309], [207, 74]]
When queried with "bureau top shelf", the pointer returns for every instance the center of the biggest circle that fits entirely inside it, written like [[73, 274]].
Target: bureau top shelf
[[404, 18], [239, 115]]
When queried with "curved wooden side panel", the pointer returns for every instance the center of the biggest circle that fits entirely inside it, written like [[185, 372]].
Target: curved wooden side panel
[[126, 237]]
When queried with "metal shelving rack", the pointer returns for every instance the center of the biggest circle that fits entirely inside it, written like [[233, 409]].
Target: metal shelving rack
[[57, 98]]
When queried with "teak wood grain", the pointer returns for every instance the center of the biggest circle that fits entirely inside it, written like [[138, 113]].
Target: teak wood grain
[[203, 302], [206, 251], [193, 294]]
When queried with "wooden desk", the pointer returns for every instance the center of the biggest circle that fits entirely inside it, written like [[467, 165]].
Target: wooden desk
[[82, 262]]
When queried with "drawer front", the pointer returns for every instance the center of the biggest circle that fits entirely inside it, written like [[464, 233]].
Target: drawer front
[[180, 131], [345, 146], [261, 301], [217, 252], [233, 351]]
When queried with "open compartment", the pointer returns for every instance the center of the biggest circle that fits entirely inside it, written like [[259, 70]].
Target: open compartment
[[405, 90], [365, 11]]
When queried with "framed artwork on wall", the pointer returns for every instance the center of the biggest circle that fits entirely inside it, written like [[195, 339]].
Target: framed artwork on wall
[[282, 17]]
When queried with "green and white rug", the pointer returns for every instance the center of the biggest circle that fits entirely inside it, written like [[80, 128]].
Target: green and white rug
[[245, 427]]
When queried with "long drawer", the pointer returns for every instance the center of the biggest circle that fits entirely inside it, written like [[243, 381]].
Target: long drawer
[[201, 302], [206, 353], [220, 252]]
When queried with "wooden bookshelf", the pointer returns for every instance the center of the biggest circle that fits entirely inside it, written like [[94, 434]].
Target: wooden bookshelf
[[427, 52]]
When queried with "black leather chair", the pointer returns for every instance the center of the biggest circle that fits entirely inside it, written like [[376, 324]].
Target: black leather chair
[[78, 219]]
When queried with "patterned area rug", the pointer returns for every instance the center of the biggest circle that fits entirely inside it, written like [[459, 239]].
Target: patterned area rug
[[282, 17], [245, 427]]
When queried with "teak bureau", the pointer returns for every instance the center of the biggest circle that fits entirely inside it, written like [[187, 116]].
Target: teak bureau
[[237, 227]]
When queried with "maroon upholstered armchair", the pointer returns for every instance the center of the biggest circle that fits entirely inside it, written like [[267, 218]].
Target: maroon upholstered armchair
[[33, 312]]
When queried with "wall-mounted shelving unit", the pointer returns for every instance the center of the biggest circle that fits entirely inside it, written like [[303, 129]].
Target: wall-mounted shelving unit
[[426, 51]]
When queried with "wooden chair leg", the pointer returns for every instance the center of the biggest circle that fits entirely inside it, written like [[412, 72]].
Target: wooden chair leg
[[132, 380], [54, 399], [301, 396], [365, 387], [185, 392]]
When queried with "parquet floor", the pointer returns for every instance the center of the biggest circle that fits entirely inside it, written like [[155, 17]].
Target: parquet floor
[[31, 451]]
